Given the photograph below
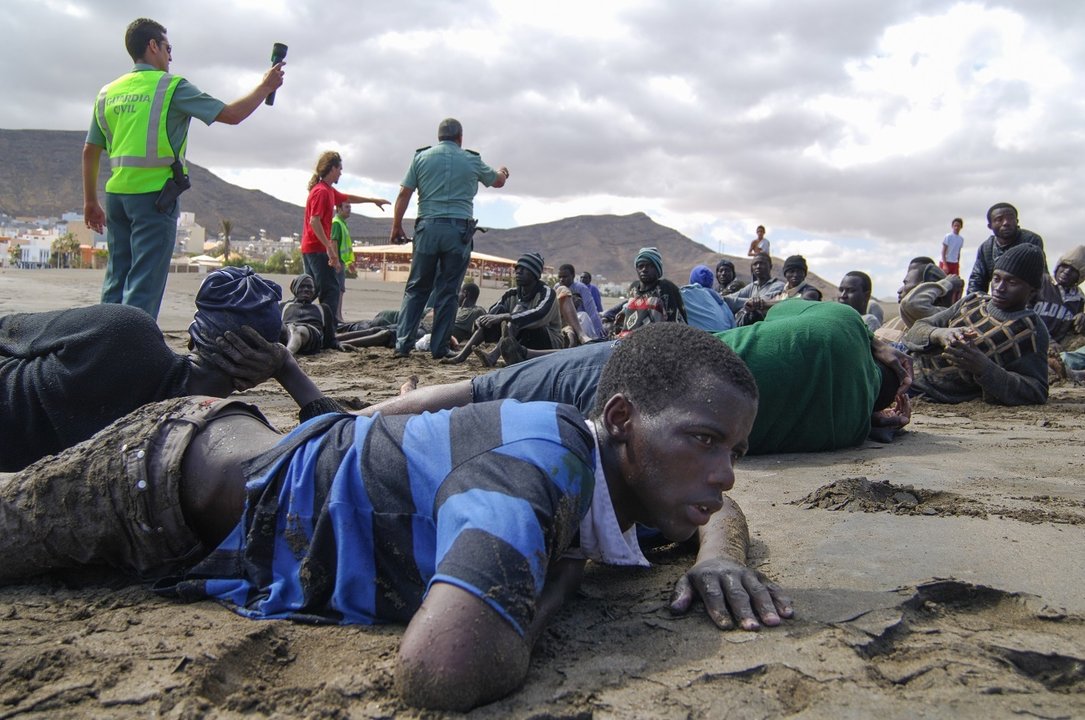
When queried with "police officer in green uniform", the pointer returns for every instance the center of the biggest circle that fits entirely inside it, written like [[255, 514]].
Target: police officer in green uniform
[[141, 121], [446, 177]]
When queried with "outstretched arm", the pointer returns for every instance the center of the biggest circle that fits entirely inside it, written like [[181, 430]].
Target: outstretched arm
[[729, 590], [430, 398], [241, 108], [379, 202]]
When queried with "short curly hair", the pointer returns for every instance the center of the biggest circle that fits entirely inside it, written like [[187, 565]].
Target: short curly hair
[[664, 361]]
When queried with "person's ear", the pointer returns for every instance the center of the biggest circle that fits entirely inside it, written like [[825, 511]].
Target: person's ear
[[618, 414]]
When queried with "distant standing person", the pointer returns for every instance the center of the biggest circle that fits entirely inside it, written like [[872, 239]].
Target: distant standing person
[[446, 177], [951, 249], [319, 252], [341, 238], [760, 244], [141, 121]]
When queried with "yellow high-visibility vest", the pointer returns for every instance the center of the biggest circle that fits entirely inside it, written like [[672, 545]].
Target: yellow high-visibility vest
[[131, 112]]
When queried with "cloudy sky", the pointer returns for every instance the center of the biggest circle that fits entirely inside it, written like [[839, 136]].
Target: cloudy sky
[[854, 130]]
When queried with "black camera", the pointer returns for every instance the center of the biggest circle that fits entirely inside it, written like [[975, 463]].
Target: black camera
[[177, 184]]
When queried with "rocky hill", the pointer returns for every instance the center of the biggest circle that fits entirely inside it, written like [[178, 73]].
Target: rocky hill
[[41, 177]]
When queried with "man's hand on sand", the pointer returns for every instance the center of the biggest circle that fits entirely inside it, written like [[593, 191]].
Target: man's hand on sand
[[894, 417], [731, 592], [248, 358]]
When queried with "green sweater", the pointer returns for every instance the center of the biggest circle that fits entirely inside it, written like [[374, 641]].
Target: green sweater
[[815, 374]]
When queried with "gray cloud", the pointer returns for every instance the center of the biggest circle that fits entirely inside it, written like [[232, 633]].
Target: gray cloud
[[583, 114]]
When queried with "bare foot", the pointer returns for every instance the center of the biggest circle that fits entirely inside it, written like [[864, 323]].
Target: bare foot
[[487, 361], [511, 351], [453, 359], [411, 384]]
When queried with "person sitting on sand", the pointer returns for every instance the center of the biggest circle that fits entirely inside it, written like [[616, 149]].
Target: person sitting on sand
[[751, 302], [925, 290], [588, 326], [308, 327], [471, 525], [528, 311], [855, 290], [993, 346], [653, 298], [1002, 220], [585, 278], [705, 308], [795, 285], [1062, 304], [825, 382], [725, 275], [467, 312], [795, 272], [66, 374]]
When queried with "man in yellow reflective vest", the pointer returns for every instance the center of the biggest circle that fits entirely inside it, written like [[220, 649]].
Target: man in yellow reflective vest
[[141, 120]]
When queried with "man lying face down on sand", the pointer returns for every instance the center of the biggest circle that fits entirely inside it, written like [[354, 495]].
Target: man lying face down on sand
[[66, 374], [825, 382], [469, 525]]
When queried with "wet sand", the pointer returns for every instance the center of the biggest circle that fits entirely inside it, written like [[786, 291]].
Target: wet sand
[[954, 591]]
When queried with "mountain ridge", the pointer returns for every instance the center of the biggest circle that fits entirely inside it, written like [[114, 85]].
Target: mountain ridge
[[42, 177]]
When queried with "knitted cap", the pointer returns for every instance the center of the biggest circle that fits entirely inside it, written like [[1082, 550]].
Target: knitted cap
[[795, 261], [724, 262], [231, 297], [532, 262], [1025, 262], [701, 275], [1076, 259], [296, 282], [652, 255]]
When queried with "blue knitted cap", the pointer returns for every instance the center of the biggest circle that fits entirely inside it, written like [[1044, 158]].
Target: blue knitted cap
[[231, 297]]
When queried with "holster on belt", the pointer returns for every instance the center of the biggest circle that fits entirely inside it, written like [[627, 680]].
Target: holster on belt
[[469, 231]]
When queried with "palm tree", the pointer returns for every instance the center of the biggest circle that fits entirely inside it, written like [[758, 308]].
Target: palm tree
[[227, 226], [64, 247]]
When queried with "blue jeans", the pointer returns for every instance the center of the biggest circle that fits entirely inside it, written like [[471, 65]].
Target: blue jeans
[[438, 264], [141, 241], [570, 376]]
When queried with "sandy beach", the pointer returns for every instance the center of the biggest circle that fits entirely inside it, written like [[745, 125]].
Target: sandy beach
[[940, 576]]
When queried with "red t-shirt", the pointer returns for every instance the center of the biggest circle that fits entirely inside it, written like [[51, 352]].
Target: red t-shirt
[[321, 202]]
